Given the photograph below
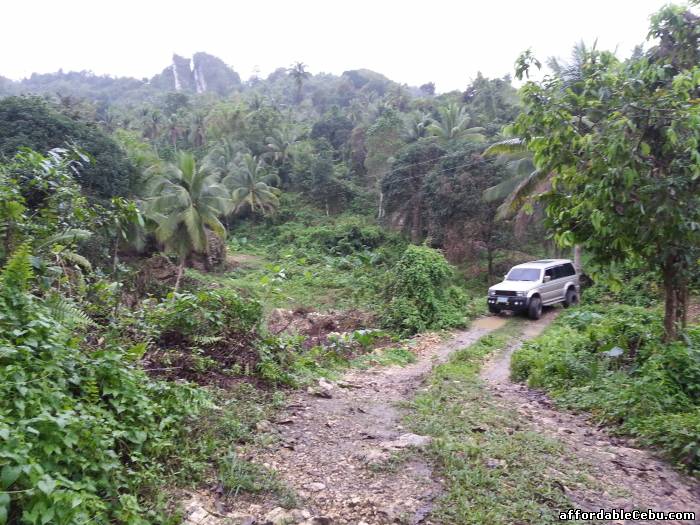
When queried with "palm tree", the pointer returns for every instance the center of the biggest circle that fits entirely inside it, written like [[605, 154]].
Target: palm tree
[[251, 185], [185, 201], [222, 158], [452, 124], [417, 127], [174, 130], [281, 142], [152, 124], [298, 72], [517, 189], [225, 119], [197, 134], [520, 187], [572, 71]]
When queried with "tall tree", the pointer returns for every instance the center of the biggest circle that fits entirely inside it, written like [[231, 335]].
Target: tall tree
[[299, 73], [186, 201], [250, 184], [452, 124], [622, 145]]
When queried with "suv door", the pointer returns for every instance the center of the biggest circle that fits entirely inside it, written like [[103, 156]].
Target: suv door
[[548, 289], [560, 275]]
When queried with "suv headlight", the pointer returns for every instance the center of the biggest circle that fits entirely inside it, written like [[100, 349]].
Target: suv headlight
[[492, 292], [520, 294]]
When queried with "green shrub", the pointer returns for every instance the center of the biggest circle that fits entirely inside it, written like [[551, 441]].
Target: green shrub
[[82, 435], [678, 434], [418, 293], [612, 362], [630, 286], [343, 237], [193, 318]]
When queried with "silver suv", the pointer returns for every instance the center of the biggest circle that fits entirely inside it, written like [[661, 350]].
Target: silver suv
[[530, 286]]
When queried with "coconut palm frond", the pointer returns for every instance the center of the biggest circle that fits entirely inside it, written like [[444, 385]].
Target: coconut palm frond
[[507, 147], [67, 236], [522, 192], [501, 190], [76, 259]]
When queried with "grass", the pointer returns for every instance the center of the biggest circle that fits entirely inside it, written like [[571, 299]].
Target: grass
[[289, 279], [497, 471], [223, 433], [237, 475], [384, 357]]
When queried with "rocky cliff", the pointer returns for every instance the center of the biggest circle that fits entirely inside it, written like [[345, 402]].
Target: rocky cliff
[[202, 73]]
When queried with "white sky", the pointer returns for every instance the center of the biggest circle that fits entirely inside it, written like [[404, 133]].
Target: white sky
[[409, 41]]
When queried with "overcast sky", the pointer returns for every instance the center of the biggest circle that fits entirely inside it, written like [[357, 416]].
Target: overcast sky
[[411, 42]]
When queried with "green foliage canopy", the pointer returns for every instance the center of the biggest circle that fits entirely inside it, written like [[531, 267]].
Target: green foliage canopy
[[418, 293], [32, 122], [623, 142]]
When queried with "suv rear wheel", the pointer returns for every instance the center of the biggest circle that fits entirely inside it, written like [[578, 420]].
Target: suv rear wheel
[[534, 311], [571, 298]]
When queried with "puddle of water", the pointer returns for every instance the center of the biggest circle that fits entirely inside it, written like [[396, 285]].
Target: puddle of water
[[489, 323]]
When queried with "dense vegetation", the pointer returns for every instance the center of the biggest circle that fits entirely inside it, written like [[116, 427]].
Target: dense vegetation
[[620, 139], [159, 237], [612, 362]]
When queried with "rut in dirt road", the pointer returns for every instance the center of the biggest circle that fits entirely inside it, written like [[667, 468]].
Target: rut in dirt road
[[628, 478], [336, 445]]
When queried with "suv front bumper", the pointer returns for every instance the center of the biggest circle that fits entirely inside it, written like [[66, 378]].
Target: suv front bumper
[[514, 304]]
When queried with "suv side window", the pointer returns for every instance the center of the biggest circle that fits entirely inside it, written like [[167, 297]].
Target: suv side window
[[568, 270]]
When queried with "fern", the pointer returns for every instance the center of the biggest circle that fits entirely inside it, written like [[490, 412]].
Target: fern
[[67, 313], [68, 236], [91, 390], [76, 259], [18, 273], [206, 339]]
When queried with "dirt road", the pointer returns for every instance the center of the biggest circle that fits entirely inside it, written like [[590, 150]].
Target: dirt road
[[339, 446], [628, 478], [338, 443]]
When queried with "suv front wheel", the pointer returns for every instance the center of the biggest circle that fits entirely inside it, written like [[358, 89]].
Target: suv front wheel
[[534, 310]]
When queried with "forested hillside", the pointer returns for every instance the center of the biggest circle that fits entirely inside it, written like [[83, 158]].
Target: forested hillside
[[188, 259], [354, 141]]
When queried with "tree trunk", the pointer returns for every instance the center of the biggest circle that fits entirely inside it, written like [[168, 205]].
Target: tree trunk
[[489, 258], [577, 258], [675, 299], [180, 270], [115, 262], [416, 223]]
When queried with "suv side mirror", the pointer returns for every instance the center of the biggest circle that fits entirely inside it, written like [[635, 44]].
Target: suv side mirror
[[505, 277], [546, 279]]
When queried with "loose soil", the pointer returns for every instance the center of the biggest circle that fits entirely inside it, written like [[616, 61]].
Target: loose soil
[[316, 326]]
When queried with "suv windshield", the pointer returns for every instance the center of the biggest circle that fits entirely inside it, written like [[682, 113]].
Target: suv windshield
[[524, 274]]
